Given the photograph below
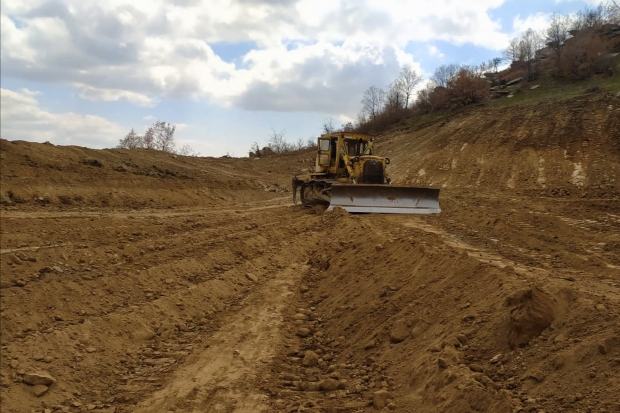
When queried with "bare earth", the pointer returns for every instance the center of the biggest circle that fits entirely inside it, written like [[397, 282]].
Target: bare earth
[[134, 281]]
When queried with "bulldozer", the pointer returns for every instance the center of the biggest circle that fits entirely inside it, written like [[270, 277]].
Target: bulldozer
[[348, 175]]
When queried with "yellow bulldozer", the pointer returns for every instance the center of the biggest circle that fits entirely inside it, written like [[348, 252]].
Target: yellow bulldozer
[[348, 175]]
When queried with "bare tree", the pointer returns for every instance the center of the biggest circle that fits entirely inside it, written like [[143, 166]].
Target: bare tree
[[512, 52], [557, 35], [612, 12], [328, 125], [187, 150], [408, 79], [444, 73], [277, 142], [372, 102], [494, 63], [310, 142], [394, 99], [149, 138], [530, 43], [131, 141], [589, 17], [163, 136], [347, 127]]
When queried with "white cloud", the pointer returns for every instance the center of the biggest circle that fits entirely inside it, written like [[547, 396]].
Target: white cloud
[[434, 51], [21, 118], [112, 95], [306, 50], [536, 22]]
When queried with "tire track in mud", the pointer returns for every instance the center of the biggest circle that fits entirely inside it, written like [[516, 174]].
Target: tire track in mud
[[222, 377]]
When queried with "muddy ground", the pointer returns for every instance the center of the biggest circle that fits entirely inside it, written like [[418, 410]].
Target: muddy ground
[[135, 281]]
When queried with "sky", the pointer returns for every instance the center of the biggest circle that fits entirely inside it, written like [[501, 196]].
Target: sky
[[230, 72]]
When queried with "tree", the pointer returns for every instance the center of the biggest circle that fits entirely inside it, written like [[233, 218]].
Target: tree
[[372, 102], [529, 45], [408, 79], [310, 142], [467, 87], [394, 99], [444, 73], [512, 51], [494, 63], [328, 126], [131, 141], [347, 127], [557, 35], [589, 17], [187, 150], [277, 142]]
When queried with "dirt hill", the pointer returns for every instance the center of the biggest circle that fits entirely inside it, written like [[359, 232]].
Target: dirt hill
[[136, 281]]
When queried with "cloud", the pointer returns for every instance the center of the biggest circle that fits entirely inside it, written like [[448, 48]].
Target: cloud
[[307, 51], [22, 118], [434, 51], [536, 22]]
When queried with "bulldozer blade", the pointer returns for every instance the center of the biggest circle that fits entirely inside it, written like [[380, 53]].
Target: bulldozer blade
[[385, 199]]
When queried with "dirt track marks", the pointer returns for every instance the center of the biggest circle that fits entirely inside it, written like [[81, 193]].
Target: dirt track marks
[[221, 378]]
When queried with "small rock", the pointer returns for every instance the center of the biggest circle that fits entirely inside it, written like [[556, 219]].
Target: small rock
[[14, 259], [39, 377], [20, 283], [534, 87], [476, 367], [303, 288], [48, 359], [14, 364], [399, 332], [45, 270], [602, 348], [303, 332], [601, 307], [370, 344], [39, 390], [461, 338], [496, 358], [91, 349], [329, 385], [251, 277], [442, 363], [311, 359], [380, 399]]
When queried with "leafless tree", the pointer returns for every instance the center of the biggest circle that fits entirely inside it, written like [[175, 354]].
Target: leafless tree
[[311, 142], [557, 35], [589, 17], [408, 79], [163, 136], [494, 63], [277, 142], [530, 43], [372, 102], [347, 127], [394, 99], [187, 150], [444, 73], [612, 12], [131, 141], [328, 125], [512, 52]]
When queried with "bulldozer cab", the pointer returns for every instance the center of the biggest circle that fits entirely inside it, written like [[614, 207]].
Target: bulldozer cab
[[331, 146]]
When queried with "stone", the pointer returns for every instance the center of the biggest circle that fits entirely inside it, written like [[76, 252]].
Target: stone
[[39, 377], [442, 363], [496, 358], [142, 333], [91, 349], [399, 332], [14, 259], [476, 367], [303, 288], [45, 270], [20, 283], [534, 87], [602, 348], [311, 359], [303, 332], [514, 81], [380, 399], [461, 338], [251, 277], [328, 385], [39, 390]]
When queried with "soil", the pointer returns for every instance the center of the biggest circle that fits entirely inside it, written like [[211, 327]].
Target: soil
[[138, 281]]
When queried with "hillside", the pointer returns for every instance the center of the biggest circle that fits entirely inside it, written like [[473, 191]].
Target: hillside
[[138, 281]]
